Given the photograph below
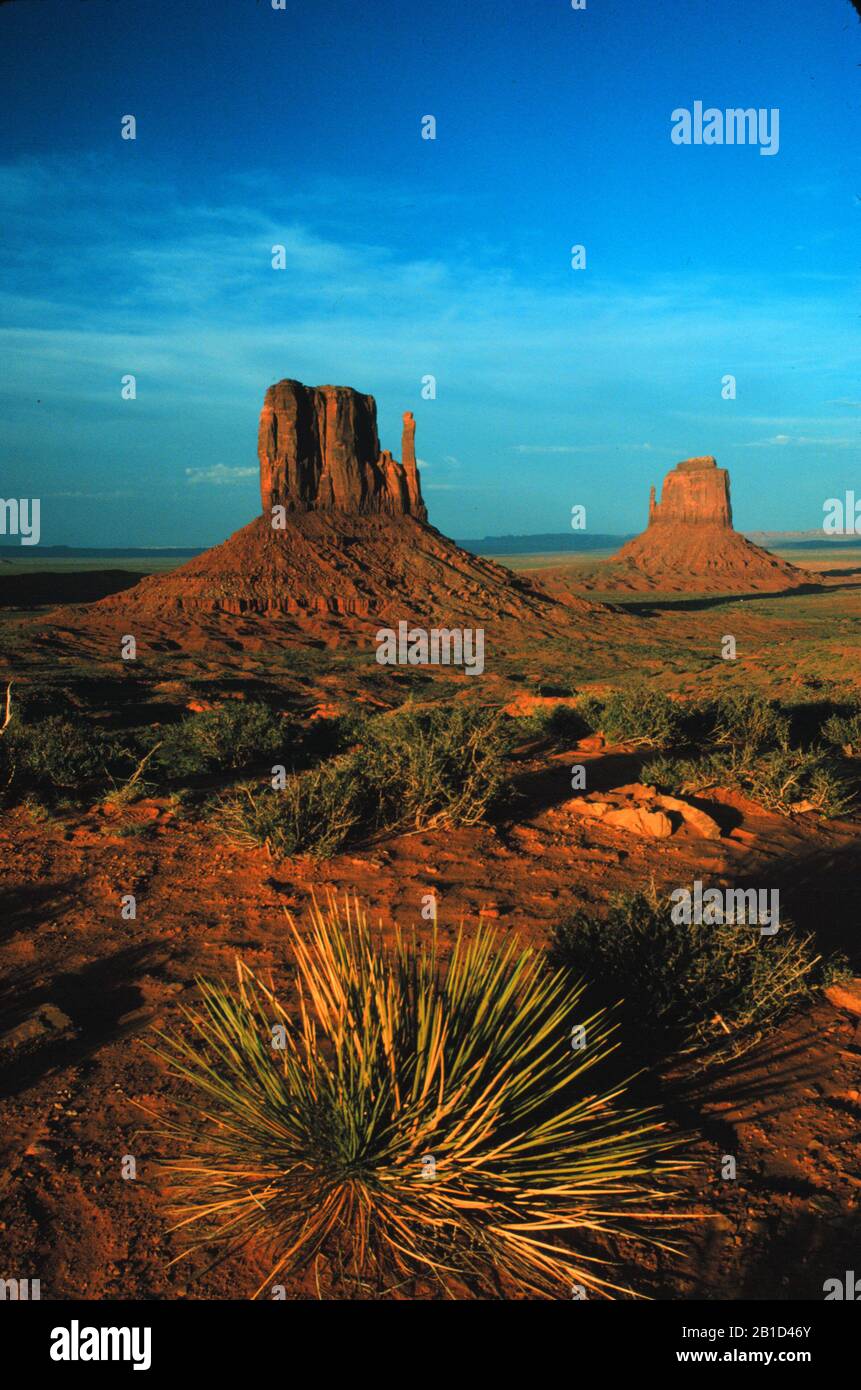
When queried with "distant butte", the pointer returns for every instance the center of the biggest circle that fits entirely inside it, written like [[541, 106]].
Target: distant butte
[[690, 544]]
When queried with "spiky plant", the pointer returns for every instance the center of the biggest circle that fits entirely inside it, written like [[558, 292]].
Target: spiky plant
[[413, 1119]]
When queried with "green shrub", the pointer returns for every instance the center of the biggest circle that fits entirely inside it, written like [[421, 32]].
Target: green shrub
[[408, 1121], [415, 769], [430, 767], [233, 735], [637, 715], [844, 731], [686, 985], [837, 970], [675, 776], [316, 812], [745, 720], [782, 779], [779, 779], [555, 722], [58, 753]]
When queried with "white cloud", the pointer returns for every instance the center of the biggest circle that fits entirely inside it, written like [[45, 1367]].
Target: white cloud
[[220, 474], [804, 440]]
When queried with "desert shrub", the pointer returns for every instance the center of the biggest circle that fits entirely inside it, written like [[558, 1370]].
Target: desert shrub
[[406, 1120], [636, 715], [676, 776], [745, 720], [58, 754], [782, 779], [552, 721], [837, 970], [415, 769], [315, 813], [430, 767], [844, 731], [233, 735], [683, 985]]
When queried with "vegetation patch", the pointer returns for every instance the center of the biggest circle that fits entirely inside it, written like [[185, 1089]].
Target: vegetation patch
[[415, 769], [719, 986], [407, 1119]]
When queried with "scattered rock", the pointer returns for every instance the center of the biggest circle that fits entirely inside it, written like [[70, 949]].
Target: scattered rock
[[643, 811], [46, 1024], [846, 995]]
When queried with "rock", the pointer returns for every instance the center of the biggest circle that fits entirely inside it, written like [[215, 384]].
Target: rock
[[319, 451], [698, 820], [592, 743], [695, 491], [46, 1024], [354, 552], [846, 996], [641, 809], [410, 467], [689, 544], [589, 810], [640, 821]]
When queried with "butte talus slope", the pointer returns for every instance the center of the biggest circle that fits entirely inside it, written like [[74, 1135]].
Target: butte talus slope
[[343, 539], [690, 545]]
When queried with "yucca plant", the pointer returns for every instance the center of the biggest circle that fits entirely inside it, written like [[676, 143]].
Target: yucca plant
[[416, 1119]]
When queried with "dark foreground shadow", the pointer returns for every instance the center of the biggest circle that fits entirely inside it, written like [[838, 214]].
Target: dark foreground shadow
[[95, 1000]]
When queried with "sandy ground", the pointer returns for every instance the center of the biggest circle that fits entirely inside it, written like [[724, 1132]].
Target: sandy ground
[[789, 1111]]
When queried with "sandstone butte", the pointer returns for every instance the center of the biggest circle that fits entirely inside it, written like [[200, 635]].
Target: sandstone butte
[[690, 544], [352, 539], [319, 451]]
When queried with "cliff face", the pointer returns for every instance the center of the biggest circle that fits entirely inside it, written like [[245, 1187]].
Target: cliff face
[[319, 451], [695, 492]]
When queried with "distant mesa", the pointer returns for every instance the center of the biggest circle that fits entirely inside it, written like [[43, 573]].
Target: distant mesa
[[690, 544]]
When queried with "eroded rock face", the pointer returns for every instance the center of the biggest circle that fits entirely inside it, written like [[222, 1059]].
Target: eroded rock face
[[695, 492], [319, 451]]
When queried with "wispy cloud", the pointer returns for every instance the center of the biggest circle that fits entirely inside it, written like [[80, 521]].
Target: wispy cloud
[[219, 474], [184, 296], [581, 448], [806, 441]]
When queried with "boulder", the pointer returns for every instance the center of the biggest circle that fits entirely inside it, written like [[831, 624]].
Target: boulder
[[643, 811]]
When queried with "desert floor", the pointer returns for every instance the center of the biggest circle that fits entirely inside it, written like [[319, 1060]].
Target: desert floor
[[790, 1109]]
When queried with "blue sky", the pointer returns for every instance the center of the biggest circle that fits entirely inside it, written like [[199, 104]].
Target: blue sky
[[408, 257]]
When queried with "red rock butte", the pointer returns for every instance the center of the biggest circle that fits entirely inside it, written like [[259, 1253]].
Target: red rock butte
[[351, 544], [695, 493], [690, 545], [319, 451]]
